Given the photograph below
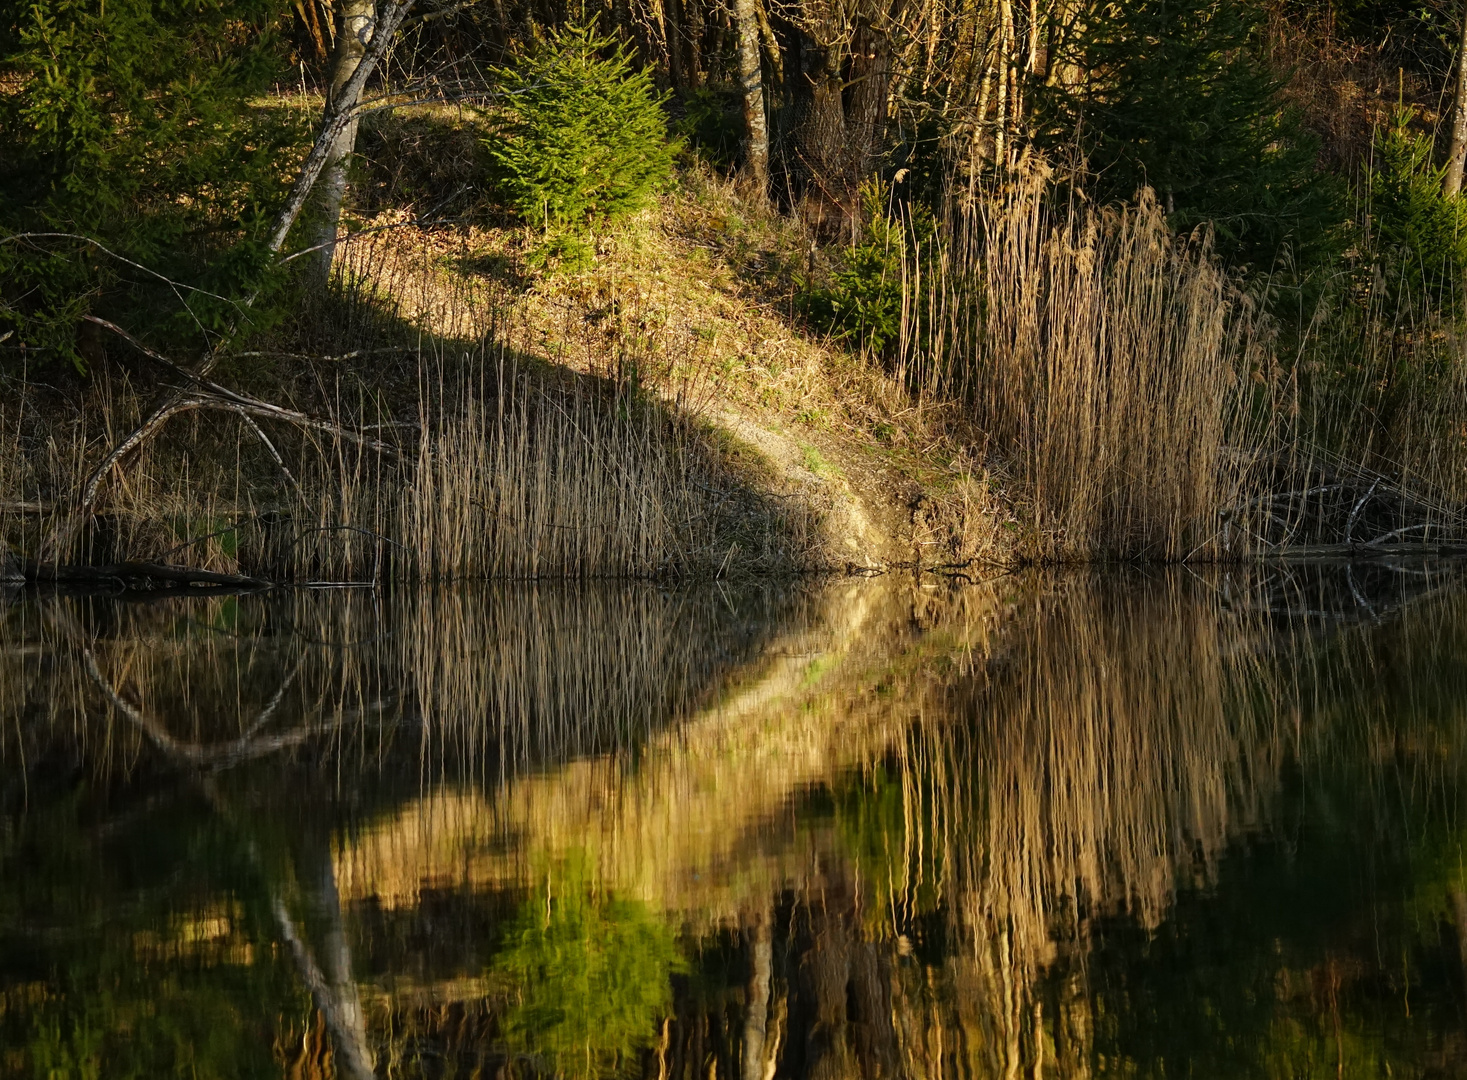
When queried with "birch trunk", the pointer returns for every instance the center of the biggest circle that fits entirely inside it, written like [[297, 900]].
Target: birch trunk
[[1457, 156], [357, 21], [751, 82], [759, 939]]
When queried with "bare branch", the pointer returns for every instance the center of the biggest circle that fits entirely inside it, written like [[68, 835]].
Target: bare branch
[[340, 113]]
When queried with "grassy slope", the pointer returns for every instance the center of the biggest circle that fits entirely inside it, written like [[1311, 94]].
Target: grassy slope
[[694, 301]]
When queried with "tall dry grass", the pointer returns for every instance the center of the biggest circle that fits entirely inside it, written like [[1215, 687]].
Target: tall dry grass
[[498, 464], [1108, 360], [511, 474]]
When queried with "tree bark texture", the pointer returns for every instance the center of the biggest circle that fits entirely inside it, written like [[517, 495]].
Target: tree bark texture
[[1457, 155], [356, 20], [751, 83], [759, 940]]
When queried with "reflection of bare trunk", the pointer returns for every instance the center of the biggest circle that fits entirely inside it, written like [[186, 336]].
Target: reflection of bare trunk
[[756, 996], [842, 1000], [355, 30], [334, 990], [751, 83]]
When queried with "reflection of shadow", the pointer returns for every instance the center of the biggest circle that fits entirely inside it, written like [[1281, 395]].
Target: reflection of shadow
[[486, 681], [277, 708]]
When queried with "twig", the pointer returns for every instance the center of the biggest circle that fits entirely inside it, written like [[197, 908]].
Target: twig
[[1355, 513], [270, 446], [120, 258]]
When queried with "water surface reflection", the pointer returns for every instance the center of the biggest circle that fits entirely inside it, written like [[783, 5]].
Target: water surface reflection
[[1126, 824]]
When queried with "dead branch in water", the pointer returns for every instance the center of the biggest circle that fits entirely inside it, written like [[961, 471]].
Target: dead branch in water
[[140, 575]]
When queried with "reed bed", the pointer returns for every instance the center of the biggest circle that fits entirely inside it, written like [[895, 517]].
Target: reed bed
[[493, 468], [1107, 360]]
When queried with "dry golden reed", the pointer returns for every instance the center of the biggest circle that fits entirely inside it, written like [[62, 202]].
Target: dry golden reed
[[1108, 362]]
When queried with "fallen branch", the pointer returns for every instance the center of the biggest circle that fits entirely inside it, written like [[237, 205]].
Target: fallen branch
[[204, 394], [339, 114]]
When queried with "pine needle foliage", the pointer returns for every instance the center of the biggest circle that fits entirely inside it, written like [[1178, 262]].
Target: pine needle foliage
[[1175, 95], [137, 124], [1419, 234], [583, 136]]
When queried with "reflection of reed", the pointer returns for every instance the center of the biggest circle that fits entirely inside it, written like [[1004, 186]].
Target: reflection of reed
[[1107, 756], [474, 682], [682, 826], [1049, 752]]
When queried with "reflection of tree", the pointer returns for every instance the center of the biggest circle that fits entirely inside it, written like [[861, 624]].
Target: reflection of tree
[[922, 861], [588, 976], [132, 951]]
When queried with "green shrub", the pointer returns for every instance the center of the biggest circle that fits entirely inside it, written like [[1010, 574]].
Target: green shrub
[[861, 302], [583, 136], [713, 125], [1178, 96], [137, 124], [590, 978], [1419, 234]]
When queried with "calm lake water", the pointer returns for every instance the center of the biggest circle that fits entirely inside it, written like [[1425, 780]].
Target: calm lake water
[[1174, 824]]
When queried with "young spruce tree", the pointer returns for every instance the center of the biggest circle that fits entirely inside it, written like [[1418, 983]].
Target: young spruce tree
[[583, 136], [135, 124]]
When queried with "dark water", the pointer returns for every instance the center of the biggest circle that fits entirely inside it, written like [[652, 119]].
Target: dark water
[[1182, 824]]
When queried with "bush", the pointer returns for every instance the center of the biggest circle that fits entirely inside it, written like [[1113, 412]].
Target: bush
[[713, 125], [1419, 234], [583, 136], [1178, 98], [136, 124], [862, 299]]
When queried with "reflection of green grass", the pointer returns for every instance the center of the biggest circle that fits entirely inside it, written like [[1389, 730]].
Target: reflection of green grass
[[590, 977]]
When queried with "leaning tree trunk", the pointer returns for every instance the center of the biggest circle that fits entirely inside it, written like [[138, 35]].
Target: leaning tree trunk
[[1457, 156], [356, 21], [751, 82]]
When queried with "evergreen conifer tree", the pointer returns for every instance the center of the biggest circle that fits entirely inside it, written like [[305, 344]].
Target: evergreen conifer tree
[[1174, 94], [1418, 233], [584, 136], [137, 124]]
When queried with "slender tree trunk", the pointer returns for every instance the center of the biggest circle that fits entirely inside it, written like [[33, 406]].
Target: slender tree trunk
[[1458, 154], [357, 19], [751, 82], [676, 68]]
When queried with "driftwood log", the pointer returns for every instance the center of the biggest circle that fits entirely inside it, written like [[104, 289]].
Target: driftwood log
[[142, 576]]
